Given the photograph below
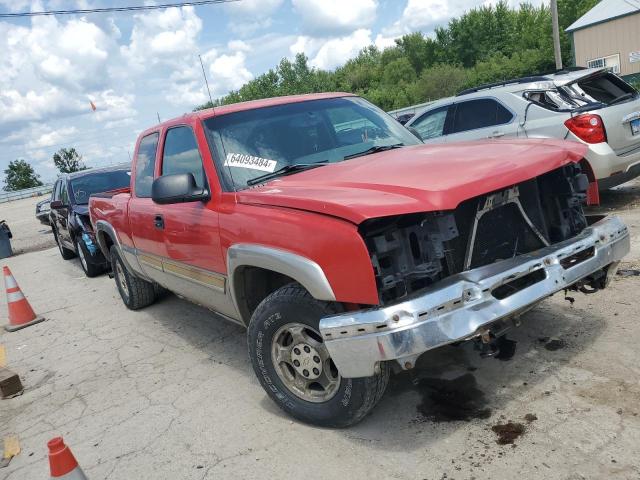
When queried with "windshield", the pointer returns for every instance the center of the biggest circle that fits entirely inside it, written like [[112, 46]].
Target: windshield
[[83, 187], [252, 143]]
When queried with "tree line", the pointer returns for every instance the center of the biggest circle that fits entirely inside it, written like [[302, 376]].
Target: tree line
[[486, 44], [20, 174]]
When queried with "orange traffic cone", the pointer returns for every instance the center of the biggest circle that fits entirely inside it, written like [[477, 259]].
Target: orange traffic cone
[[21, 314], [62, 462]]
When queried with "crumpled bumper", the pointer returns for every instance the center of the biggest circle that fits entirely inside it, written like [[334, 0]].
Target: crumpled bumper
[[458, 307]]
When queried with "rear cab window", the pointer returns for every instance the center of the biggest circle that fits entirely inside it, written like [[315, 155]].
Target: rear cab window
[[181, 154], [145, 165]]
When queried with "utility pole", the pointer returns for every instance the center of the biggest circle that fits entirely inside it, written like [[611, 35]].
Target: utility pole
[[205, 79], [556, 34]]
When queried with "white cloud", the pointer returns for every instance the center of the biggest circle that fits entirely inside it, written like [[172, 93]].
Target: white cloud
[[162, 36], [336, 16], [73, 55], [239, 45], [228, 72], [111, 107], [50, 137], [328, 53], [245, 8], [249, 16], [34, 105]]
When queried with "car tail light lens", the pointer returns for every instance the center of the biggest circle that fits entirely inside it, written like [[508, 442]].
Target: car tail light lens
[[587, 127]]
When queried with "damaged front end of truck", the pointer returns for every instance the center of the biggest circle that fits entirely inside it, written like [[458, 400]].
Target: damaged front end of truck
[[450, 276]]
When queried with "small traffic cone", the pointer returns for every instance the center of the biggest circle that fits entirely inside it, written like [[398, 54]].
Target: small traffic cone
[[62, 462], [21, 314]]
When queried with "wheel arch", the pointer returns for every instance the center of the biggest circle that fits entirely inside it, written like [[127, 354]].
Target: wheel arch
[[106, 237], [255, 271]]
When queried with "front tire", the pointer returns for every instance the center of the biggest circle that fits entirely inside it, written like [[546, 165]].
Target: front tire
[[135, 292], [90, 269], [295, 369]]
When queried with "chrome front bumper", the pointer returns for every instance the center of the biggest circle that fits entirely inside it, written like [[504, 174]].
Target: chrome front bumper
[[458, 307]]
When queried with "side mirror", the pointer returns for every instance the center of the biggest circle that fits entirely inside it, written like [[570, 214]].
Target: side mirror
[[56, 205], [415, 133], [177, 188]]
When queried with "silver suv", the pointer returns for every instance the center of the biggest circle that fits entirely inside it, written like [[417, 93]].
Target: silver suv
[[592, 106]]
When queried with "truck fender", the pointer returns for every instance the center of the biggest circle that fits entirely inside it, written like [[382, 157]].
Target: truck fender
[[300, 269]]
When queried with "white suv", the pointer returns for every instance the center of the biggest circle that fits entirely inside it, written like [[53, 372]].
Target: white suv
[[592, 106]]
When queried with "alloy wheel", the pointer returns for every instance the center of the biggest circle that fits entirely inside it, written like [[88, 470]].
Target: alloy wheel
[[303, 363]]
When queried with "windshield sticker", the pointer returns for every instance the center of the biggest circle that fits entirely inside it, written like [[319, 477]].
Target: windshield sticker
[[241, 160]]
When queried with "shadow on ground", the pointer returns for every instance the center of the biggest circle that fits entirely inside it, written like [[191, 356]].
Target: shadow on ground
[[624, 197]]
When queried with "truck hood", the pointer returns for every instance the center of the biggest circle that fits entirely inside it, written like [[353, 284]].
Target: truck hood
[[414, 179]]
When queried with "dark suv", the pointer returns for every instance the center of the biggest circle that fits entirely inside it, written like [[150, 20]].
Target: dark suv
[[70, 213]]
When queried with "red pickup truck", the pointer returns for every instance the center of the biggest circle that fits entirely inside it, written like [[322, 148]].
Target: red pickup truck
[[346, 246]]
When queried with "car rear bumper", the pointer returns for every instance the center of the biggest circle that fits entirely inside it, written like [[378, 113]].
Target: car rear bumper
[[619, 178], [610, 168], [459, 307]]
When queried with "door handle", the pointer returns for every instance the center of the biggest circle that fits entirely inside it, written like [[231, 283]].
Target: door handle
[[497, 134], [158, 222]]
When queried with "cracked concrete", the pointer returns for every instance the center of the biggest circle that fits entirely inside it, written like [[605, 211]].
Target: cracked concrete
[[168, 392]]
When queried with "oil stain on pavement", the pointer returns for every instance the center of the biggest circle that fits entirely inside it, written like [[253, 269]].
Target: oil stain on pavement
[[458, 399]]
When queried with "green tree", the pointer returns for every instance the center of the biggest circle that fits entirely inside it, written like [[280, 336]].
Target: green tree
[[19, 175], [67, 160], [441, 80]]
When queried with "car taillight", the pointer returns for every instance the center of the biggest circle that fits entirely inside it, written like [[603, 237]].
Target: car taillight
[[587, 127]]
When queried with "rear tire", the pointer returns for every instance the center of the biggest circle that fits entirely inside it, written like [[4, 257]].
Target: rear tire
[[90, 269], [66, 253], [135, 292], [307, 385]]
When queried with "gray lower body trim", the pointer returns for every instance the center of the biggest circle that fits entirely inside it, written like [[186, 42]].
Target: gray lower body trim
[[461, 306], [197, 285]]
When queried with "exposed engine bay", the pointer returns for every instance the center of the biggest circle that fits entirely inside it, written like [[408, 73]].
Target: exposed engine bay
[[411, 252]]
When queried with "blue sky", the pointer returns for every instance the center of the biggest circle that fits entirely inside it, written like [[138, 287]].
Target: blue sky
[[137, 66]]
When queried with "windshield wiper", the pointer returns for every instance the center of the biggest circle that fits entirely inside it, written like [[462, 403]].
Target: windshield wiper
[[619, 99], [374, 149], [296, 167]]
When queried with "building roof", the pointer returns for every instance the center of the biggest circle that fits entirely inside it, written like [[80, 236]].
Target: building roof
[[604, 11]]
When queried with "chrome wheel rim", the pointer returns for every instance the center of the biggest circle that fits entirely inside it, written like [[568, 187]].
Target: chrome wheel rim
[[122, 282], [303, 363], [83, 260]]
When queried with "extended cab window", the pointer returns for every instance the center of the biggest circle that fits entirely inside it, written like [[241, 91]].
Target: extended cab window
[[145, 165], [480, 113], [431, 124], [181, 154]]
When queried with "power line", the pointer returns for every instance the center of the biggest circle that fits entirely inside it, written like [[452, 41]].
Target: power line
[[113, 9]]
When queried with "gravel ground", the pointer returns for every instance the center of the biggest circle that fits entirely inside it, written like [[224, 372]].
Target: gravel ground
[[168, 392]]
